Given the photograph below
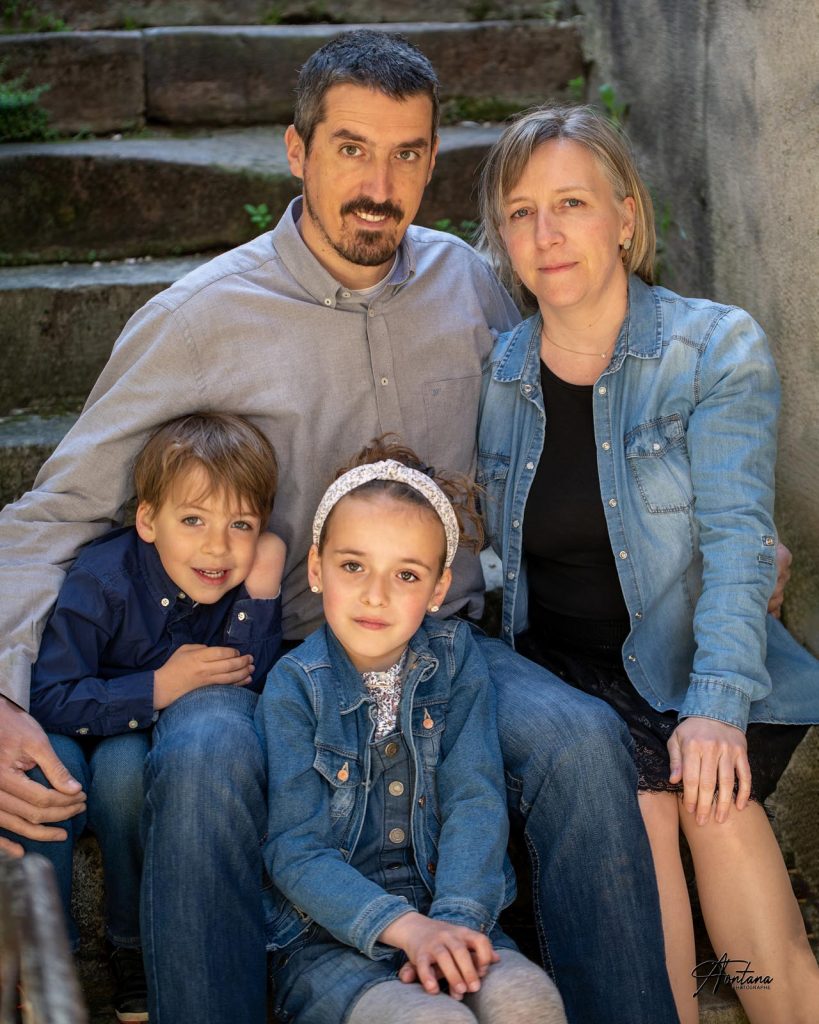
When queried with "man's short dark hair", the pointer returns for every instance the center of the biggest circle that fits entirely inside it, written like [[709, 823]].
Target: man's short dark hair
[[377, 60]]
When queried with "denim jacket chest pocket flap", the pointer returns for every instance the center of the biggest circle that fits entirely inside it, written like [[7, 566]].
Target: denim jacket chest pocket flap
[[657, 457], [343, 772]]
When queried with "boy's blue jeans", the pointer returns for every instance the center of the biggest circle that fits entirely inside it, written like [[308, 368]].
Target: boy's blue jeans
[[569, 774], [110, 771]]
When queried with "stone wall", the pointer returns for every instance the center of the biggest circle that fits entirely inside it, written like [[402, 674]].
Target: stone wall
[[723, 114]]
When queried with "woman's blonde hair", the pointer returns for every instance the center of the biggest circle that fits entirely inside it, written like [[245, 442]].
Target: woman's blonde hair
[[507, 161]]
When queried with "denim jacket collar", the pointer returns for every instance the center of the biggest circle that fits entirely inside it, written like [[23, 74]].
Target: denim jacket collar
[[641, 335], [349, 685]]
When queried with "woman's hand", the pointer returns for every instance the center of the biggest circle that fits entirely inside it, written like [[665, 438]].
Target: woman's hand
[[706, 753], [440, 949], [783, 574]]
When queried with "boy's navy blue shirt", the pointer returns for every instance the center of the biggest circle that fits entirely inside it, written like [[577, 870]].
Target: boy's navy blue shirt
[[118, 617]]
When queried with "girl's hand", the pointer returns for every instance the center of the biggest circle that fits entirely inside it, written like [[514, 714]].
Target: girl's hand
[[705, 753], [440, 949]]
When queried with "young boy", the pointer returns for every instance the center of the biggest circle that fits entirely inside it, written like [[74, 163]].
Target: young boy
[[188, 597]]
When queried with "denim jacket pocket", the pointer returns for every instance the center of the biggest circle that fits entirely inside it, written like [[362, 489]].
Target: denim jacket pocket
[[343, 773], [657, 456]]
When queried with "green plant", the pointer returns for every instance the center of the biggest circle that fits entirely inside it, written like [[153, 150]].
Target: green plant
[[577, 89], [615, 110], [19, 17], [465, 229], [22, 119], [260, 216], [274, 14], [476, 108]]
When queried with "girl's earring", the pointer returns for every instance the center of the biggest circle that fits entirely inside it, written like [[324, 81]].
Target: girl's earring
[[316, 588], [434, 608], [626, 244]]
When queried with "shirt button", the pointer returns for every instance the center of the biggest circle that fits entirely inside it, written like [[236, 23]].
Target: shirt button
[[631, 657], [606, 446], [769, 542], [530, 465], [623, 554], [241, 616], [421, 801], [431, 867], [613, 502], [345, 295], [397, 835], [391, 749], [165, 602], [510, 575], [527, 388], [396, 788], [602, 389], [328, 302], [370, 312], [133, 724], [82, 731], [515, 523], [638, 615], [656, 446], [507, 629], [385, 381]]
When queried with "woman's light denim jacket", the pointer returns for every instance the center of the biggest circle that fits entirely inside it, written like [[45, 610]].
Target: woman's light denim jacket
[[316, 719], [685, 428]]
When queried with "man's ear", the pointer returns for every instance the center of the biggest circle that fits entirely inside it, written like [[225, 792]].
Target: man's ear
[[295, 149], [314, 568], [145, 522]]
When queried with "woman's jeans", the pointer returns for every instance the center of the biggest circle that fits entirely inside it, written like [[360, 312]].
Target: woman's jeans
[[570, 776], [110, 771]]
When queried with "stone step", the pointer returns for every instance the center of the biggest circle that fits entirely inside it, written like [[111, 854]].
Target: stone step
[[103, 199], [26, 441], [58, 324], [109, 81], [87, 14]]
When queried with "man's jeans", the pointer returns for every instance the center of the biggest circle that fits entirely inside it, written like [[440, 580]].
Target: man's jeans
[[110, 771], [569, 773]]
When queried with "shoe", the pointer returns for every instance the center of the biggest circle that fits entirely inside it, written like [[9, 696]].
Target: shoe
[[130, 987]]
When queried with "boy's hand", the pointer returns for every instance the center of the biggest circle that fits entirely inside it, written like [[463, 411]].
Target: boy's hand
[[440, 949], [194, 665], [705, 753], [265, 577]]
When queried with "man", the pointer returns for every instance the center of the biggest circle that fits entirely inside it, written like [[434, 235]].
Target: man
[[341, 324]]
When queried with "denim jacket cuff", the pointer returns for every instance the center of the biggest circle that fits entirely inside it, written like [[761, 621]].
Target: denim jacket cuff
[[375, 917], [708, 697], [462, 911]]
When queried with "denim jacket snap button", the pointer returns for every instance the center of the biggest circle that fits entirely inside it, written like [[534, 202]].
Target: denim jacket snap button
[[344, 772]]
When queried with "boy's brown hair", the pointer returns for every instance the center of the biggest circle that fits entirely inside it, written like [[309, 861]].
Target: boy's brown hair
[[236, 457]]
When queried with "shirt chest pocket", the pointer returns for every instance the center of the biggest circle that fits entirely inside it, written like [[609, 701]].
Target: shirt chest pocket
[[342, 773], [657, 458]]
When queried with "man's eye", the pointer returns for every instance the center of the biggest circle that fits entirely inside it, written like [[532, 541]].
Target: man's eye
[[351, 566], [407, 155], [350, 150], [407, 576], [574, 203]]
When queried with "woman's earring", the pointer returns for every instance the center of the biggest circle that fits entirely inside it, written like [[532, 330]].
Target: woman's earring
[[434, 608], [316, 588], [627, 244]]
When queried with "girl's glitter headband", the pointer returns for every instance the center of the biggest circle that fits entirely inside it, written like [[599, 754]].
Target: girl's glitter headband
[[391, 470]]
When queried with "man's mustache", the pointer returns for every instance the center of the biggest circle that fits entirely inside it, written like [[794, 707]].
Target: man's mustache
[[366, 205]]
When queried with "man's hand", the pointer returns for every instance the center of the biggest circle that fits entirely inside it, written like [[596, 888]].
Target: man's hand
[[705, 753], [783, 574], [265, 577], [194, 665], [24, 804], [438, 949]]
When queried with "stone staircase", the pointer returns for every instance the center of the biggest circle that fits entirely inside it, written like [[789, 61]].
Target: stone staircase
[[169, 118]]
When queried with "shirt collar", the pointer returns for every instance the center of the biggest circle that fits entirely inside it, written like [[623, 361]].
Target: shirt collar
[[311, 275], [162, 589]]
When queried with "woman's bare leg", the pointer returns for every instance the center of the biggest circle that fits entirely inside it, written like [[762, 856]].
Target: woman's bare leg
[[751, 914], [661, 817]]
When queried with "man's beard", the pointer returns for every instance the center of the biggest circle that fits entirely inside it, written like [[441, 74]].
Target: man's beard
[[363, 248]]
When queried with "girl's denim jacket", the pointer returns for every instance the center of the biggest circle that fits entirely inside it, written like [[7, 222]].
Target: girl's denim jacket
[[685, 429], [316, 720]]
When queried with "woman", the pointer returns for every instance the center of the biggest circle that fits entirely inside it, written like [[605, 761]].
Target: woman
[[627, 445]]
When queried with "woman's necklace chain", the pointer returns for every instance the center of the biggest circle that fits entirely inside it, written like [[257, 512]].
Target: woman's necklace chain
[[574, 351]]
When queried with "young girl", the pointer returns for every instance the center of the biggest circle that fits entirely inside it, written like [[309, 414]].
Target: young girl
[[387, 809]]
